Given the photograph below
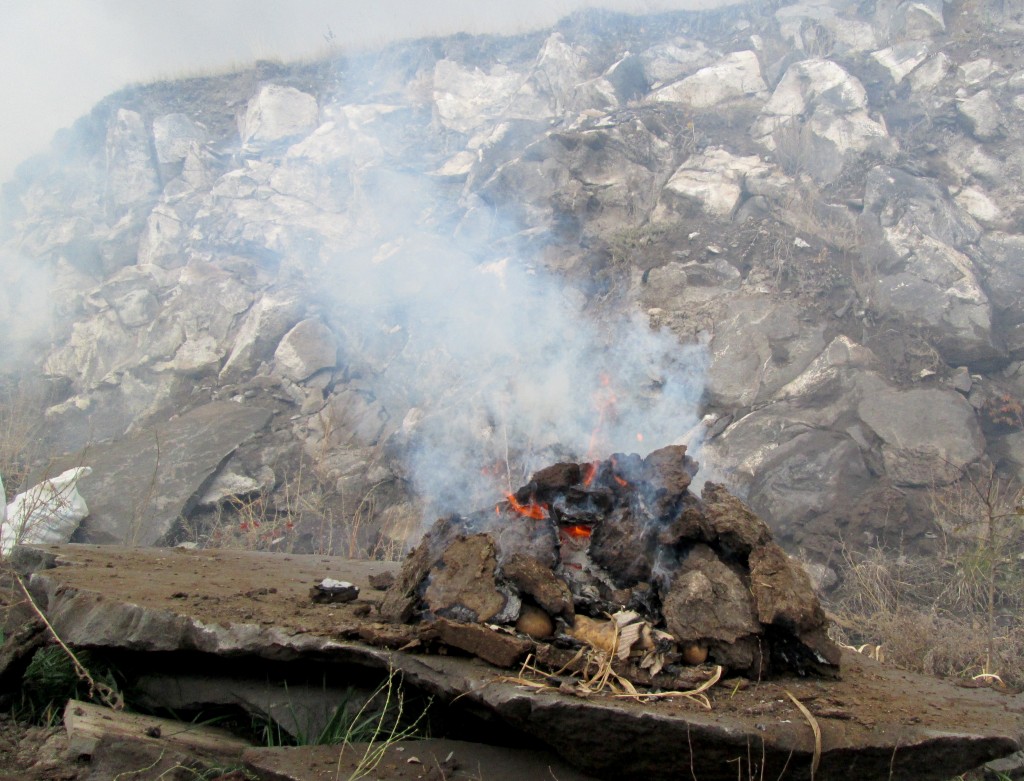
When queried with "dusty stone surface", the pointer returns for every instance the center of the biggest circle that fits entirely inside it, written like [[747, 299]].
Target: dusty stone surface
[[783, 593], [305, 349], [539, 583], [709, 601], [142, 484], [278, 112], [874, 720], [434, 759], [464, 580]]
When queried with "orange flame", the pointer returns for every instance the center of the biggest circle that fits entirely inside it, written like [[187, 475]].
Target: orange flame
[[578, 531], [604, 400], [589, 473], [531, 509], [618, 479]]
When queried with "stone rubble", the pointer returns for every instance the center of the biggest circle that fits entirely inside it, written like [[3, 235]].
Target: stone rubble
[[853, 172]]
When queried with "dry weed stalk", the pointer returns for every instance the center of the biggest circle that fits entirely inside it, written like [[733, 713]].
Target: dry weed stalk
[[815, 728], [955, 612], [106, 694], [21, 416], [596, 676]]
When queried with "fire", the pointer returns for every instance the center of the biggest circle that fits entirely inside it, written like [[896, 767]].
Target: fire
[[605, 401], [531, 509], [578, 531], [589, 473], [618, 478]]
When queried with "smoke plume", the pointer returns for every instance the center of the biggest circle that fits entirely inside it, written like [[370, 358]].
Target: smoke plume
[[501, 364]]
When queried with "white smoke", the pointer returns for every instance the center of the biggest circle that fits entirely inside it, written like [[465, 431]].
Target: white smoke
[[26, 310], [500, 364]]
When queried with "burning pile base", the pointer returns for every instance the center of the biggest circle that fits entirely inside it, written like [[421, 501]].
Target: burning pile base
[[619, 556]]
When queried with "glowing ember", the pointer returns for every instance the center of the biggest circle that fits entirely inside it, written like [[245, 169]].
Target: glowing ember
[[589, 473], [578, 531], [618, 479], [537, 512]]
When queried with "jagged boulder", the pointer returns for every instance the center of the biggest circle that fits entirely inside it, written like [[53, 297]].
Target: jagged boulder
[[817, 122], [670, 61], [758, 347], [917, 240], [982, 115], [910, 18], [712, 182], [929, 436], [174, 137], [735, 76], [825, 28], [278, 113], [131, 175], [304, 350]]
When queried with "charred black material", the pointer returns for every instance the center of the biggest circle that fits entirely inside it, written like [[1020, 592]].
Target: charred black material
[[626, 532]]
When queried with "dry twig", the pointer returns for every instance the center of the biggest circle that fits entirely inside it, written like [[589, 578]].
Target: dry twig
[[815, 728], [107, 695]]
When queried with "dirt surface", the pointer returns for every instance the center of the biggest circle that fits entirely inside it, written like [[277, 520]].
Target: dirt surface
[[226, 587], [418, 760], [871, 710]]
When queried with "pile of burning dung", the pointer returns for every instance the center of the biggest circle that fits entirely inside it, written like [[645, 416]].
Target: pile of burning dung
[[617, 555]]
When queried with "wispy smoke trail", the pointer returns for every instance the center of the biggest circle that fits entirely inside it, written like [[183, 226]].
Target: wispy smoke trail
[[500, 364]]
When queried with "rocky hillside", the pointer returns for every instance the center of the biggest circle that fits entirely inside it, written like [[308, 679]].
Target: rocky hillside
[[405, 278]]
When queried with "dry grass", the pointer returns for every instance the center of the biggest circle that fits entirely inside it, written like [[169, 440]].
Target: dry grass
[[958, 612], [928, 615], [309, 513], [22, 404]]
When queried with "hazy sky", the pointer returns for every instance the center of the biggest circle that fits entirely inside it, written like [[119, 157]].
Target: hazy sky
[[59, 57]]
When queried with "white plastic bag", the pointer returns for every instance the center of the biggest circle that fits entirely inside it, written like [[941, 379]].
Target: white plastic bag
[[47, 513]]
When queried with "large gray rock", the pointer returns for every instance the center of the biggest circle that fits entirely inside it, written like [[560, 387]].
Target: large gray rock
[[270, 318], [598, 175], [559, 78], [982, 114], [807, 460], [916, 269], [174, 135], [735, 76], [711, 182], [131, 174], [929, 436], [757, 348], [142, 484], [278, 113], [825, 27], [817, 122], [910, 19], [900, 60], [161, 241], [467, 98], [1002, 263], [306, 349], [668, 62]]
